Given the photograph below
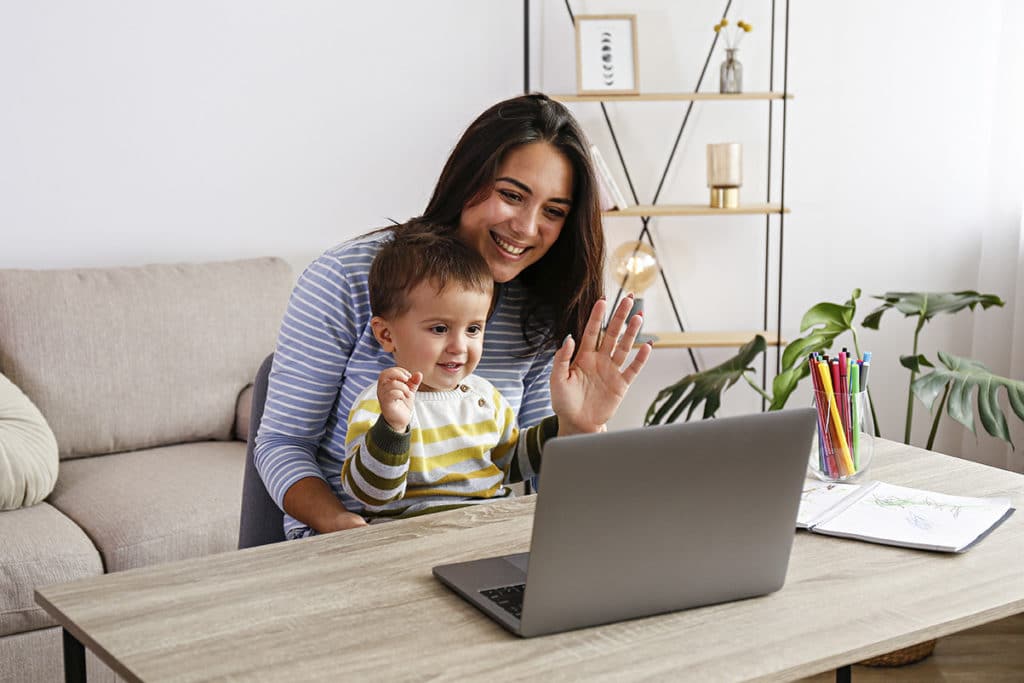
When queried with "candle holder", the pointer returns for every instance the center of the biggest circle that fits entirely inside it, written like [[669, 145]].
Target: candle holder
[[725, 174]]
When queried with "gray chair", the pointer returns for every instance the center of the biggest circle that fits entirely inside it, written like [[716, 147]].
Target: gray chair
[[262, 521]]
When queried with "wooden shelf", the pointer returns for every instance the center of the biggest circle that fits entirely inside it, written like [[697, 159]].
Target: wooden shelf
[[673, 97], [693, 210], [687, 340]]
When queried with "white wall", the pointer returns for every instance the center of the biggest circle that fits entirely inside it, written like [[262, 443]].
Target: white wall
[[146, 131], [151, 131]]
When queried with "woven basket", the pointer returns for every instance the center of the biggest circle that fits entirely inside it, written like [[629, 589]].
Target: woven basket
[[904, 656]]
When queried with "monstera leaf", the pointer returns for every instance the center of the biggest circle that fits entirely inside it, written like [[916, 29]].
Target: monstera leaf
[[924, 305], [957, 380], [927, 305], [703, 387], [828, 321]]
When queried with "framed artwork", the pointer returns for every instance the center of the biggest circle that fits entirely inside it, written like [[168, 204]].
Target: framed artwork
[[606, 62]]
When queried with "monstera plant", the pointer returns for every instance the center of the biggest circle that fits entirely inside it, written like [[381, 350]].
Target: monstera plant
[[955, 378]]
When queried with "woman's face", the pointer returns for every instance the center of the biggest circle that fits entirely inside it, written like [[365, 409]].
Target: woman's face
[[522, 216]]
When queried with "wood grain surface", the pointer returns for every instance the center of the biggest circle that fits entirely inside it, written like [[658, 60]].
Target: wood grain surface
[[363, 604]]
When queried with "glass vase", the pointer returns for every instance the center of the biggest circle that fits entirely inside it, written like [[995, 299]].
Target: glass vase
[[731, 73], [845, 438]]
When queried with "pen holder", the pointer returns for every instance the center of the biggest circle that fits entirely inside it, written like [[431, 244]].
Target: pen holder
[[844, 441]]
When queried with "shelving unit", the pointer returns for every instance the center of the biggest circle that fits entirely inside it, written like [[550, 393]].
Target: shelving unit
[[773, 208], [652, 210], [673, 97], [707, 340]]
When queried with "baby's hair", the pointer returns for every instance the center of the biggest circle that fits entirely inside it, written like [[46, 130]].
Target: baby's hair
[[423, 252]]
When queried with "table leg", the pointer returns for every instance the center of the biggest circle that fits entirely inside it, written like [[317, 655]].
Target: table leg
[[843, 674], [74, 659]]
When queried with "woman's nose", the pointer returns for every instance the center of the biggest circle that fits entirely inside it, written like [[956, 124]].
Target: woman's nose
[[526, 222]]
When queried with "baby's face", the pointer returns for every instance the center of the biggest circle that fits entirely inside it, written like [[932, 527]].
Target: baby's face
[[441, 335]]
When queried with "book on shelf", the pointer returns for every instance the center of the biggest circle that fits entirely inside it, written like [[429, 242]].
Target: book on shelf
[[898, 515], [606, 183]]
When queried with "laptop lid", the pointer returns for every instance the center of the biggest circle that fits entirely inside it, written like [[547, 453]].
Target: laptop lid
[[657, 519]]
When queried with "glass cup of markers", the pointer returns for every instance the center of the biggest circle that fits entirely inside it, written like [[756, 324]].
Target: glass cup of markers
[[845, 438]]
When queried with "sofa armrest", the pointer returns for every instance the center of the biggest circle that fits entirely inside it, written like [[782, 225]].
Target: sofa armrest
[[243, 411]]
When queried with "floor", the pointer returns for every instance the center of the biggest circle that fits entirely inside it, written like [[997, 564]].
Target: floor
[[993, 652]]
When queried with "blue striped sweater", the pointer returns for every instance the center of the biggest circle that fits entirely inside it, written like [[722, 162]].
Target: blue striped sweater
[[326, 356]]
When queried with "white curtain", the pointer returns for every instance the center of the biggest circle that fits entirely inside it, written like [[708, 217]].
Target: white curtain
[[1015, 459], [998, 334]]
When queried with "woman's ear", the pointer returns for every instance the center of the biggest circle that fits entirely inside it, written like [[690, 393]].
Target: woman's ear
[[382, 332]]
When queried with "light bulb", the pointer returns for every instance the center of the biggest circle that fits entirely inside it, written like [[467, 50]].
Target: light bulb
[[636, 266]]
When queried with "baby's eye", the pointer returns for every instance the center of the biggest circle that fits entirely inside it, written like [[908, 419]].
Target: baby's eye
[[439, 329], [474, 330]]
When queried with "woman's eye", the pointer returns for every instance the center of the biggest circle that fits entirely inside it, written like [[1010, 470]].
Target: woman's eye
[[510, 195], [555, 212], [439, 329]]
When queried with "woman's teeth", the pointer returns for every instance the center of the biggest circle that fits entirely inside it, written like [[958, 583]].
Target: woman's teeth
[[511, 249]]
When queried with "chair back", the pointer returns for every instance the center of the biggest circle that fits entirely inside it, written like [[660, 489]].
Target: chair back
[[262, 521]]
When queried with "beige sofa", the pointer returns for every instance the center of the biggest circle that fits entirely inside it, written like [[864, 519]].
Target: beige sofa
[[142, 375]]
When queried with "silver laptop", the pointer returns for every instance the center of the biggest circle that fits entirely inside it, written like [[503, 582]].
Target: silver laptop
[[651, 520]]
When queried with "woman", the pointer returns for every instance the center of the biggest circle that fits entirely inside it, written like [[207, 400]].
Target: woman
[[519, 188]]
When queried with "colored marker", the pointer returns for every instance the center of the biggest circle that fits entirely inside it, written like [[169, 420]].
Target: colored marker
[[855, 410], [844, 451]]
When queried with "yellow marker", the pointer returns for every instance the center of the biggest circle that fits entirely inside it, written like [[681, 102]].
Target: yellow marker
[[844, 449]]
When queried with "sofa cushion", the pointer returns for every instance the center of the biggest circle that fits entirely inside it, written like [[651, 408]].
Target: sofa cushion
[[39, 656], [122, 359], [157, 505], [28, 450], [40, 546]]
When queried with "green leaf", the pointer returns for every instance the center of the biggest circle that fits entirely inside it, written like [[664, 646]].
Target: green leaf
[[834, 320], [872, 319], [785, 383], [827, 313], [927, 305], [964, 374], [703, 387], [914, 363]]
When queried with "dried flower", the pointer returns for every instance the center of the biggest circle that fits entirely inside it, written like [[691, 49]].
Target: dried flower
[[733, 38]]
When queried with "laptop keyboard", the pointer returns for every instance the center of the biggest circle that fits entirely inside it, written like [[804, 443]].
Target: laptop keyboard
[[509, 598]]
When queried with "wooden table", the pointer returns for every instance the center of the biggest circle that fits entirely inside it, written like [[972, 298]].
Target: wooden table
[[363, 605]]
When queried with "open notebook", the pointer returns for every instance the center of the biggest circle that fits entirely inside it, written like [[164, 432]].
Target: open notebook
[[898, 515]]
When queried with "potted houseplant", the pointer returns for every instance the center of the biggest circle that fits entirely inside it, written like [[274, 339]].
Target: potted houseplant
[[953, 377]]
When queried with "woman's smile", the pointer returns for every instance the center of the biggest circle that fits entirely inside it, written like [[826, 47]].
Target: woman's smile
[[506, 246]]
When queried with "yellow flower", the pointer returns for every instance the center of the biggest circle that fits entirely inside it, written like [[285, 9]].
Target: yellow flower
[[718, 27], [725, 22]]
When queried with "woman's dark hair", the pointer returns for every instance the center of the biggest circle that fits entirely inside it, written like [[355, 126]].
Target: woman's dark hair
[[563, 286]]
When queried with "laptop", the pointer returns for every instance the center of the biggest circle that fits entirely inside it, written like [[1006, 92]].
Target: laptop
[[645, 521]]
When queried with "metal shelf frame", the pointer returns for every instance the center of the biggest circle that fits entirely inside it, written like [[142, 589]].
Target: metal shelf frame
[[772, 96]]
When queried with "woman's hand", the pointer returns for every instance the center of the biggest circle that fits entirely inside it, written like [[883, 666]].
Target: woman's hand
[[396, 393], [586, 393]]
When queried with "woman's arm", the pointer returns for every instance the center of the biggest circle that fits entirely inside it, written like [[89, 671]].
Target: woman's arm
[[317, 335], [312, 502]]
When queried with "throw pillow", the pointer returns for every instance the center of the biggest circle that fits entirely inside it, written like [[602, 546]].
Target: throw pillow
[[28, 450]]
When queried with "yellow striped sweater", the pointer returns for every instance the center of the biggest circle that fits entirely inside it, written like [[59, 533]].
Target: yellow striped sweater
[[462, 447]]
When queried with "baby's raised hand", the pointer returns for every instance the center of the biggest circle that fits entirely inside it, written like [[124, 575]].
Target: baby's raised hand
[[396, 393]]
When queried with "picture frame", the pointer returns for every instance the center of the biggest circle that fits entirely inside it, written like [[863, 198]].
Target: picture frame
[[606, 55]]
